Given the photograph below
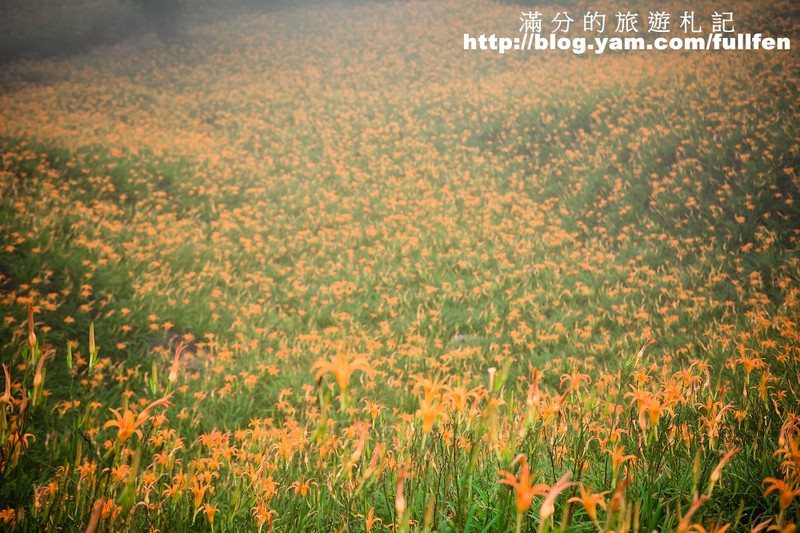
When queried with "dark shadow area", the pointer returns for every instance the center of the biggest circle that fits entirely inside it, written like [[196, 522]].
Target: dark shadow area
[[35, 30], [162, 16], [44, 31], [66, 41]]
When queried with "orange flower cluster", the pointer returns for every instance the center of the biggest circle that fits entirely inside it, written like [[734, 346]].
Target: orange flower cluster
[[282, 279]]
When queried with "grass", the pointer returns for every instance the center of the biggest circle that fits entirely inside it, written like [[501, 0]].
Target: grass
[[276, 278]]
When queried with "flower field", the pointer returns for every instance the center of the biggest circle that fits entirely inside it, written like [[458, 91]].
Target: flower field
[[316, 268]]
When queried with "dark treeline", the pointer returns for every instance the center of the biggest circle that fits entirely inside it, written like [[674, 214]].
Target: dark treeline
[[117, 22], [162, 16]]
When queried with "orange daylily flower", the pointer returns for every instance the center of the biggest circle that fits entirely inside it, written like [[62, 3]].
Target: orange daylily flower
[[430, 413], [548, 505], [786, 492], [524, 490], [128, 423], [342, 367], [590, 501]]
